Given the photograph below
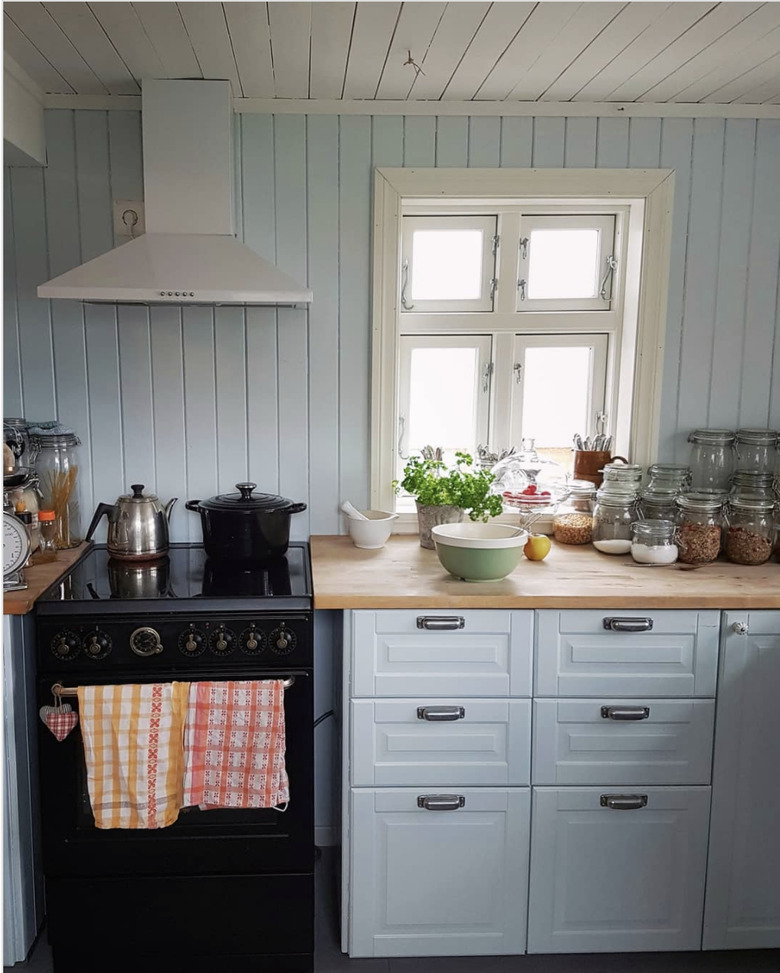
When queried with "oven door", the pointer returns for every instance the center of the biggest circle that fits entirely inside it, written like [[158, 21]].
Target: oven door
[[215, 842]]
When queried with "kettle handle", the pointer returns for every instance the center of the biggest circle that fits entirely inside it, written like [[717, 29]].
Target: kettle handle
[[103, 508]]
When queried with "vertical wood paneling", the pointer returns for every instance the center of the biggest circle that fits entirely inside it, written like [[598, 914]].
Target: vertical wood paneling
[[580, 144], [105, 415], [517, 140], [484, 142], [644, 143], [419, 140], [323, 258], [612, 150], [199, 407], [230, 374], [12, 372], [387, 140], [354, 246], [135, 360], [452, 141], [262, 382], [548, 142], [125, 158]]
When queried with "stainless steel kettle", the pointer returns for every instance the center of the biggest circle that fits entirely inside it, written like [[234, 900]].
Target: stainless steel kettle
[[137, 525]]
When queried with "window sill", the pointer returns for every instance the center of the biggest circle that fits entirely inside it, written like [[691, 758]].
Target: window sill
[[407, 523]]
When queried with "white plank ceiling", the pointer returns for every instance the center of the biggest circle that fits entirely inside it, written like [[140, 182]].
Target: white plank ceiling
[[713, 53]]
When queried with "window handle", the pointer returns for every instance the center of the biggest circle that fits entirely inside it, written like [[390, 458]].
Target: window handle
[[521, 286], [487, 371], [493, 287], [524, 248], [518, 370], [404, 283], [611, 268], [401, 434]]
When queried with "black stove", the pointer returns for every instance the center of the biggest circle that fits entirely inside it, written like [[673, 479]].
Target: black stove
[[219, 889]]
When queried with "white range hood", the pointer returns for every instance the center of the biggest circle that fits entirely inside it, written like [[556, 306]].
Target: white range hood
[[189, 253]]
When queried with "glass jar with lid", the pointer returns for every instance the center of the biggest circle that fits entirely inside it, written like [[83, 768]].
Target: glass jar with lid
[[573, 520], [613, 516], [17, 437], [669, 476], [750, 529], [699, 526], [752, 482], [656, 504], [712, 458], [756, 449], [57, 463], [622, 477], [654, 541]]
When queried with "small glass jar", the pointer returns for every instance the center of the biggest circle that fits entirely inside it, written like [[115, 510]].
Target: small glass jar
[[756, 449], [699, 526], [752, 482], [17, 437], [658, 504], [653, 542], [750, 529], [58, 467], [573, 520], [669, 477], [622, 477], [47, 550], [712, 458], [612, 518]]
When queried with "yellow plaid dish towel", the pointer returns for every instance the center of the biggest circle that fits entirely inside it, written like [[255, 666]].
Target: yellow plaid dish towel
[[134, 749]]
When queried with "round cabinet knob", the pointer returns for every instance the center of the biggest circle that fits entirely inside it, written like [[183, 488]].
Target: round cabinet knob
[[97, 644], [65, 646], [222, 640], [253, 641], [192, 641], [740, 628], [146, 641], [283, 641]]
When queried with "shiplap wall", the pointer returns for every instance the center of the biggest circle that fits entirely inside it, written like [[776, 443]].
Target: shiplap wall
[[189, 401]]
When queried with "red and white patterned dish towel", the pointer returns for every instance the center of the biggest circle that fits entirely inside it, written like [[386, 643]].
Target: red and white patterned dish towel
[[234, 745]]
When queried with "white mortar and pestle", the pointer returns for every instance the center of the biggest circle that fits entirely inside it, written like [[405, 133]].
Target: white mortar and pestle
[[369, 529]]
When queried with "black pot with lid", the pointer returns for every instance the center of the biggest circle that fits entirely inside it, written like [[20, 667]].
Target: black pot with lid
[[246, 526]]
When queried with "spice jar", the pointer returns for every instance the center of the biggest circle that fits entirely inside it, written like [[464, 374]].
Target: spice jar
[[700, 521], [658, 504], [749, 529], [58, 467], [573, 520], [47, 550], [653, 542], [622, 477], [612, 518], [668, 477], [712, 458], [755, 449], [752, 482]]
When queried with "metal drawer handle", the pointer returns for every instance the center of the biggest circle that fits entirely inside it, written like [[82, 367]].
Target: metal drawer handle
[[441, 714], [625, 712], [441, 802], [624, 802], [628, 624], [441, 623]]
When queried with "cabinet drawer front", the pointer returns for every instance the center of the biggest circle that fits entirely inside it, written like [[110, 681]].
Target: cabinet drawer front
[[393, 747], [605, 880], [576, 741], [576, 655], [489, 656], [439, 883]]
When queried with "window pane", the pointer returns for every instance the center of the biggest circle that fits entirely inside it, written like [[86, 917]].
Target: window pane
[[555, 395], [563, 264], [443, 399], [446, 265]]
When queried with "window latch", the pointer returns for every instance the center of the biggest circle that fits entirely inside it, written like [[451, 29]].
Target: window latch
[[493, 287], [524, 248], [487, 371], [496, 240], [521, 286], [611, 268], [518, 370], [404, 283]]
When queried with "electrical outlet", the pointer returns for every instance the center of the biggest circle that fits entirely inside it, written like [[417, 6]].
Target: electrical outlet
[[129, 219]]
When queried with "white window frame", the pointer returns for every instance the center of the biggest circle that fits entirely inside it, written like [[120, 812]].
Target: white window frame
[[484, 224], [646, 194]]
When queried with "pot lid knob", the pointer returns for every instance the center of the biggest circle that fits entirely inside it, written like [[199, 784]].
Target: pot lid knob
[[245, 489], [138, 490]]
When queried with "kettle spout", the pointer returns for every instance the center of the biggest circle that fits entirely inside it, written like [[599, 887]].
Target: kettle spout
[[169, 507]]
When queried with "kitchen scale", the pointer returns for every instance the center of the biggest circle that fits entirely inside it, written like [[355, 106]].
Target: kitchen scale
[[16, 552]]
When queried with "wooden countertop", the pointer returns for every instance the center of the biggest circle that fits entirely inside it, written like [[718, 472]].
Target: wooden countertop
[[404, 575], [39, 577]]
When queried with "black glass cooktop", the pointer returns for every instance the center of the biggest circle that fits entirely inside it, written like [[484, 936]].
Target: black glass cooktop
[[185, 580]]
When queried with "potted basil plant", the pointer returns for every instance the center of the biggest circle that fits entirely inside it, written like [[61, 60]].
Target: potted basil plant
[[443, 494]]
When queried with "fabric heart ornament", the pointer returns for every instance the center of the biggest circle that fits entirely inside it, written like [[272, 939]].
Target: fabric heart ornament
[[62, 721], [45, 711]]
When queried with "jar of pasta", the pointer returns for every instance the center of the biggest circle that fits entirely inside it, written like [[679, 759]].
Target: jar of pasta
[[57, 464]]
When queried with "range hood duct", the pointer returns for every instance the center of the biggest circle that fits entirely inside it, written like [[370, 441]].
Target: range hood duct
[[189, 253]]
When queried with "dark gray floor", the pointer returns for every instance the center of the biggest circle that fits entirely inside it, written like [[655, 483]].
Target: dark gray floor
[[330, 959]]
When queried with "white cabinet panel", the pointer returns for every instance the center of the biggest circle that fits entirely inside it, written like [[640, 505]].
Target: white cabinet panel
[[743, 880], [601, 741], [439, 883], [577, 655], [490, 655], [605, 880], [401, 742]]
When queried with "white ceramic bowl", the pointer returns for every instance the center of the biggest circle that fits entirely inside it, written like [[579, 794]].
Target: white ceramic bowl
[[371, 534]]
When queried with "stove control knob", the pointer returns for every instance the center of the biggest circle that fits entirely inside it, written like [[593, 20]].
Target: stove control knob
[[222, 640], [253, 641], [97, 644], [283, 641], [192, 641], [146, 641], [65, 646]]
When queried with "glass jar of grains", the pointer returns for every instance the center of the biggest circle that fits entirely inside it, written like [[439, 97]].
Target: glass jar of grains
[[752, 482], [750, 529], [712, 458], [755, 449], [612, 518], [573, 520], [653, 542], [58, 467], [700, 521]]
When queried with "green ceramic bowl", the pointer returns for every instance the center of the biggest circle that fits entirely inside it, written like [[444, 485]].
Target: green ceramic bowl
[[479, 552]]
